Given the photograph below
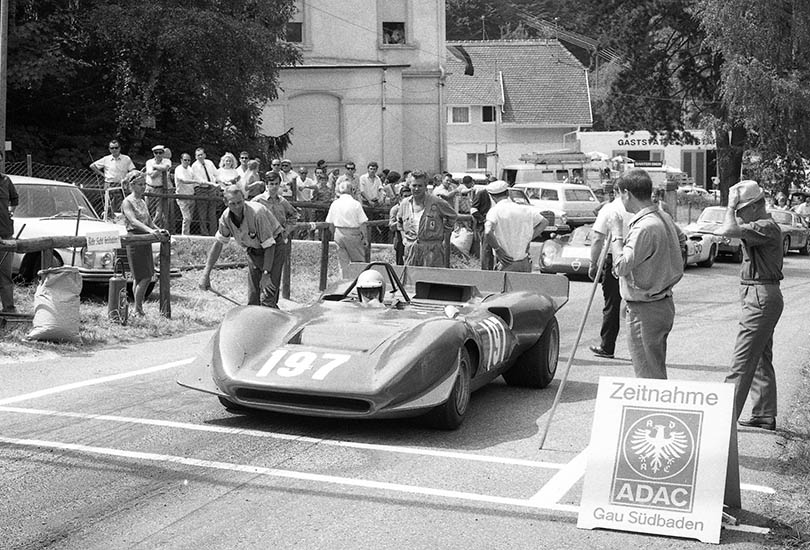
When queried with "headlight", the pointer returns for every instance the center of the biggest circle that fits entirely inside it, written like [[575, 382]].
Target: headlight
[[106, 259], [549, 253], [564, 219], [88, 258]]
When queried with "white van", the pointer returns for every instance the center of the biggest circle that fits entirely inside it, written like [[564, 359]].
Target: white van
[[578, 202]]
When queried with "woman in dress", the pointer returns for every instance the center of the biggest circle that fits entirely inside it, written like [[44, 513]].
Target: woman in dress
[[139, 222], [227, 173]]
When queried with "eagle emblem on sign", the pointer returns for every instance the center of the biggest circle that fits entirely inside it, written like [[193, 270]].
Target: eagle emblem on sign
[[658, 446]]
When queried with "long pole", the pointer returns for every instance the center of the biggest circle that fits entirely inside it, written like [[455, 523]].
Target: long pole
[[599, 269]]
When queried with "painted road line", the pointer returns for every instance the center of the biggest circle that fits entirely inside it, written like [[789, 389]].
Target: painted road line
[[93, 382], [758, 488], [288, 474], [556, 488], [297, 438]]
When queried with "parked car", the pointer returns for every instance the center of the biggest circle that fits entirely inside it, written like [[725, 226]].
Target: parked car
[[51, 208], [437, 336], [710, 220], [571, 254], [577, 202], [478, 177], [795, 231]]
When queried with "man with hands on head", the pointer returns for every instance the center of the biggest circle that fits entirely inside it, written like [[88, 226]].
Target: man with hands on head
[[254, 227], [761, 298], [647, 261]]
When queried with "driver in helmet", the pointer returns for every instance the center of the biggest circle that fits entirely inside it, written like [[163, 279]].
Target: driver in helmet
[[371, 288]]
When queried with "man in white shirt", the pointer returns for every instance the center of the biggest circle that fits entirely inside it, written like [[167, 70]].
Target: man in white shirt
[[114, 169], [244, 157], [185, 185], [205, 177], [289, 178], [157, 183], [371, 186], [349, 222], [510, 228]]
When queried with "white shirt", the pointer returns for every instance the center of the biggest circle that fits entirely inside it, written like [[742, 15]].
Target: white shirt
[[200, 173], [371, 188], [513, 226], [602, 223], [158, 178], [304, 188], [115, 169], [184, 180], [346, 212]]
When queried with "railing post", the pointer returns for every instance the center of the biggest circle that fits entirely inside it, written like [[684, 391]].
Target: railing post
[[447, 235], [165, 268], [324, 257], [367, 251], [285, 275], [46, 258], [29, 166]]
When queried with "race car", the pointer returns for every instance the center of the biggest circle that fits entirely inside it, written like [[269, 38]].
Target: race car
[[420, 348]]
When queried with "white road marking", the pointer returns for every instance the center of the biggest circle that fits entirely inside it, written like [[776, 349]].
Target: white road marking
[[93, 382], [758, 488], [288, 474], [561, 483], [304, 439]]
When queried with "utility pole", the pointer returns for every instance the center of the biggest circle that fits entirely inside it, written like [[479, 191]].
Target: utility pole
[[3, 77]]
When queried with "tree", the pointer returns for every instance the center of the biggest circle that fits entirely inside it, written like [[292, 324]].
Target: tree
[[765, 77], [183, 73]]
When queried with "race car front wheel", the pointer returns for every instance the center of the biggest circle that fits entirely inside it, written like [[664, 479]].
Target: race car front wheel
[[537, 366], [450, 415]]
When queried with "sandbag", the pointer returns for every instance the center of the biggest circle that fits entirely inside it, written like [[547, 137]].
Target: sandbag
[[462, 239], [56, 305]]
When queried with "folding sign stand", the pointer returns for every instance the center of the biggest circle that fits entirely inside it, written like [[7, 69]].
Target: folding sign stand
[[670, 448]]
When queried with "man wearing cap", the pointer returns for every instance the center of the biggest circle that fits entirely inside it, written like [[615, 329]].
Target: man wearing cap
[[424, 220], [647, 261], [289, 179], [158, 183], [510, 228], [255, 228], [760, 273]]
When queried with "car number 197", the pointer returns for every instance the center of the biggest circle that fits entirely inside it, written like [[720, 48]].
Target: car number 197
[[296, 363]]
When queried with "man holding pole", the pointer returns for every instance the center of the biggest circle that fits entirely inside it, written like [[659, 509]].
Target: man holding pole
[[254, 227]]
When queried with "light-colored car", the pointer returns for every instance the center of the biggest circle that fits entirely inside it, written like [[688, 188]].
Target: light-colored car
[[577, 202], [710, 220], [795, 232], [51, 208]]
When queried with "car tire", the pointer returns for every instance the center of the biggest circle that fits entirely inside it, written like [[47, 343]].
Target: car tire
[[30, 266], [785, 245], [537, 366], [450, 415], [805, 250], [230, 406], [708, 262], [737, 255]]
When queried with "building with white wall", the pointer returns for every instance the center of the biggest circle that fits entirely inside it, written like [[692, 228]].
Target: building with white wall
[[698, 161], [523, 96], [370, 86]]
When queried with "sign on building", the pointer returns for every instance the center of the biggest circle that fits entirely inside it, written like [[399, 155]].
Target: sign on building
[[658, 457]]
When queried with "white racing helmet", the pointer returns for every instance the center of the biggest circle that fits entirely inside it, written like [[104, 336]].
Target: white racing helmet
[[370, 286]]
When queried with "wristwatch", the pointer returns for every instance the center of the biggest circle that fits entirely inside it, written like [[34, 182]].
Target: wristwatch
[[265, 272]]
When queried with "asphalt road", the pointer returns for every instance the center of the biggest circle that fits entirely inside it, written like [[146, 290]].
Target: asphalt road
[[103, 450]]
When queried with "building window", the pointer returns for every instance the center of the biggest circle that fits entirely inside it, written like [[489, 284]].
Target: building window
[[488, 113], [459, 115], [476, 161], [393, 32], [295, 32]]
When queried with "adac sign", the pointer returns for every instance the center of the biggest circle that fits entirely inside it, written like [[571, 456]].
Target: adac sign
[[656, 459], [666, 446]]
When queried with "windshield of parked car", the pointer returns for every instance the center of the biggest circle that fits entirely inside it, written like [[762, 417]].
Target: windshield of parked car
[[782, 217], [579, 195], [46, 201], [713, 215]]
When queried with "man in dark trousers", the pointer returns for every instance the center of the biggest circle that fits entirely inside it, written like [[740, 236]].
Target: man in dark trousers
[[610, 284], [760, 273], [479, 207]]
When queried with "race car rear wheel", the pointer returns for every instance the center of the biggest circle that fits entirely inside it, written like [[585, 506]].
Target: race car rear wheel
[[537, 366], [450, 415]]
